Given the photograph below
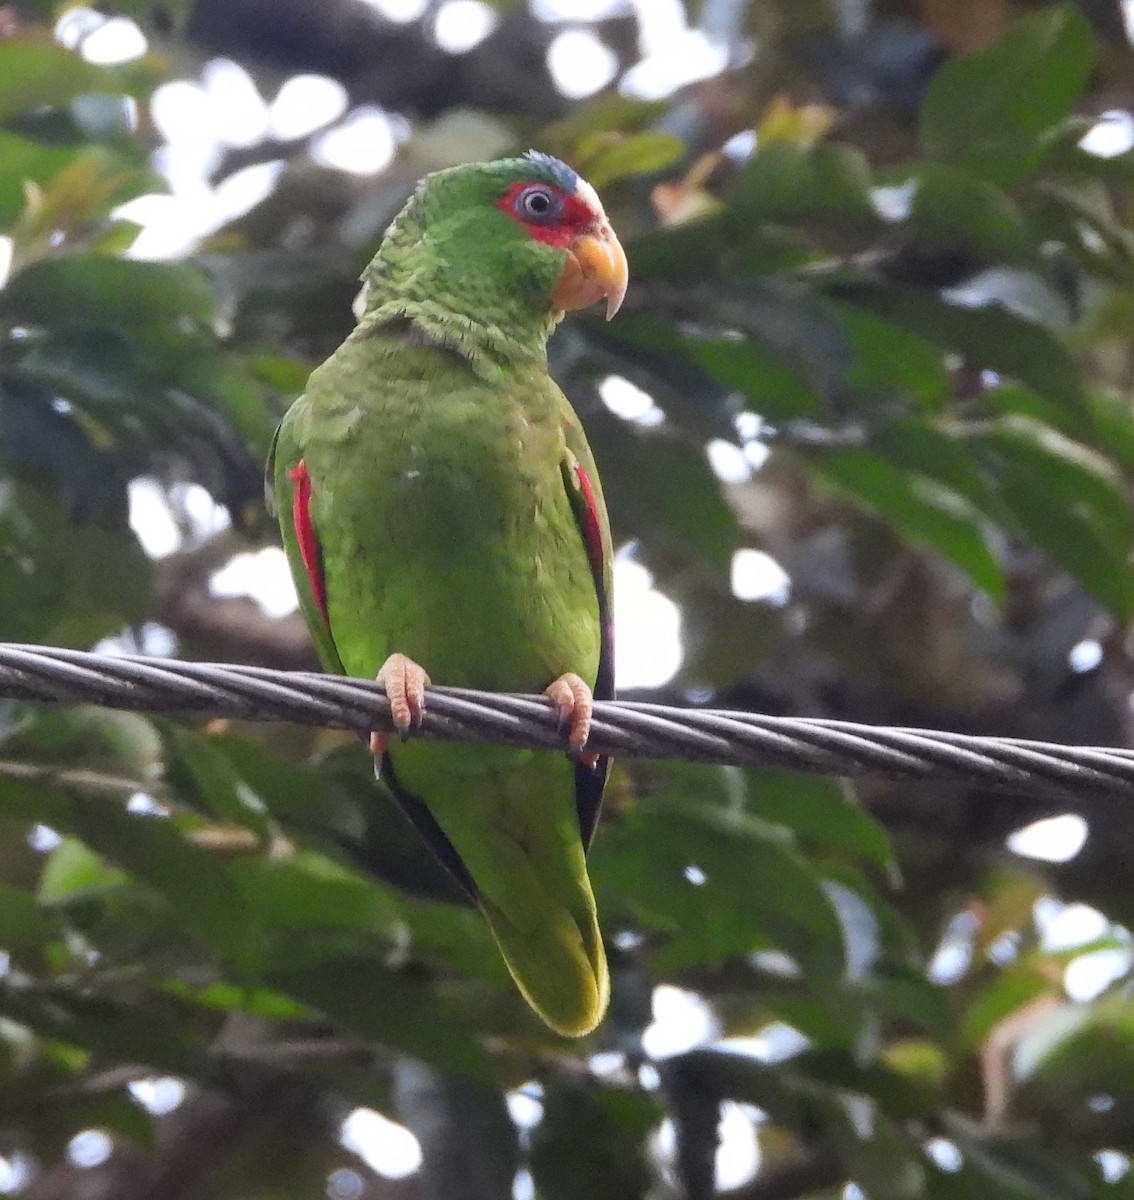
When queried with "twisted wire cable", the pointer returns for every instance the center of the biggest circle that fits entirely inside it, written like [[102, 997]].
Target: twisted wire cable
[[620, 728]]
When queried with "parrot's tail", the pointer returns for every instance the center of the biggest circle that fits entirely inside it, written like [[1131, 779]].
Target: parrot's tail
[[519, 855], [558, 963]]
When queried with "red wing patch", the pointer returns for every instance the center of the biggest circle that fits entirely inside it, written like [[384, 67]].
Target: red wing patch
[[592, 537], [592, 534], [305, 535]]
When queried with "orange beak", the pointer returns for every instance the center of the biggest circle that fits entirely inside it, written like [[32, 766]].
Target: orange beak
[[595, 269]]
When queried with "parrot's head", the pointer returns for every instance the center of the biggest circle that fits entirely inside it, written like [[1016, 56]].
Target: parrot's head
[[505, 246]]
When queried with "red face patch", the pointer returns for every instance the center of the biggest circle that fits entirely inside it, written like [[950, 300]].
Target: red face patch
[[572, 216]]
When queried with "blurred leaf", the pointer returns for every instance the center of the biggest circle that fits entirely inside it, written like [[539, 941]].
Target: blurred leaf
[[889, 362], [120, 1032], [663, 489], [898, 1095], [994, 111], [22, 162], [98, 739], [987, 336], [786, 181], [468, 1141], [821, 812], [35, 72], [63, 581], [23, 922], [339, 803], [73, 200], [73, 871], [888, 1166], [939, 451], [200, 774], [306, 892], [588, 1146], [954, 208], [393, 1008], [1067, 500], [603, 159], [201, 892], [114, 293], [712, 879], [1015, 1170], [920, 509], [1008, 992], [762, 373], [717, 1075], [606, 112]]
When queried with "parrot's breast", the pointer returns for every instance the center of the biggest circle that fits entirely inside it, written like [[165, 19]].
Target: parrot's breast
[[446, 530]]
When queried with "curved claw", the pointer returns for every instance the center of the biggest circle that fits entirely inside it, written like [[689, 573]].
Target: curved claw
[[405, 683], [574, 703]]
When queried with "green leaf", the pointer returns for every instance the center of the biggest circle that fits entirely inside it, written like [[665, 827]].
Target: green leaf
[[306, 892], [114, 293], [1010, 990], [124, 1033], [661, 488], [712, 879], [1013, 1169], [820, 812], [994, 111], [987, 336], [392, 1008], [952, 207], [23, 922], [340, 804], [898, 1095], [939, 451], [22, 162], [762, 373], [889, 361], [201, 892], [1067, 500], [199, 773], [786, 181], [638, 154], [37, 72], [73, 871], [65, 581], [920, 509], [608, 112]]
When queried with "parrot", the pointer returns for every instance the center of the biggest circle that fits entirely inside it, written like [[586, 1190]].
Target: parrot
[[443, 519]]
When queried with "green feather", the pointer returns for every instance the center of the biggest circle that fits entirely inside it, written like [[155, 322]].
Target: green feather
[[437, 448]]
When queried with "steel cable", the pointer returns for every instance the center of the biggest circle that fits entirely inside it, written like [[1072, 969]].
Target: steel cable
[[621, 728]]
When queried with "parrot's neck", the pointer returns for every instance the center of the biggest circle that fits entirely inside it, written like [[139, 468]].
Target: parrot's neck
[[490, 345], [480, 314]]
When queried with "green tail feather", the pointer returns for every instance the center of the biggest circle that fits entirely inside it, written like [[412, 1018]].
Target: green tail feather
[[510, 818], [559, 964]]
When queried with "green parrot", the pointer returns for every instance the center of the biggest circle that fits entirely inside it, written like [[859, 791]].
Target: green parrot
[[441, 512]]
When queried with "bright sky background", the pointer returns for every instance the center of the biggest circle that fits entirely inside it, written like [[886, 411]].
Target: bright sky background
[[199, 118]]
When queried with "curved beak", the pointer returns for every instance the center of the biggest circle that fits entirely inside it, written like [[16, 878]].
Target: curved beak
[[595, 269]]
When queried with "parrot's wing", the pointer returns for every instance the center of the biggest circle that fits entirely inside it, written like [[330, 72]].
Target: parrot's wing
[[581, 479], [289, 489]]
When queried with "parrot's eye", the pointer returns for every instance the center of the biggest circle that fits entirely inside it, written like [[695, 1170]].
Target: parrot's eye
[[538, 204]]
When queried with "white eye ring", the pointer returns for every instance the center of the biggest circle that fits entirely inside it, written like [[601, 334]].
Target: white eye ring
[[538, 204]]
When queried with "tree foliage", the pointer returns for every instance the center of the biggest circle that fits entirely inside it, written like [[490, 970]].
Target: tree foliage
[[883, 289]]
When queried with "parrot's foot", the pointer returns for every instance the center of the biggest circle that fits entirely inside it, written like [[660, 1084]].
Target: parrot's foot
[[574, 703], [405, 683]]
